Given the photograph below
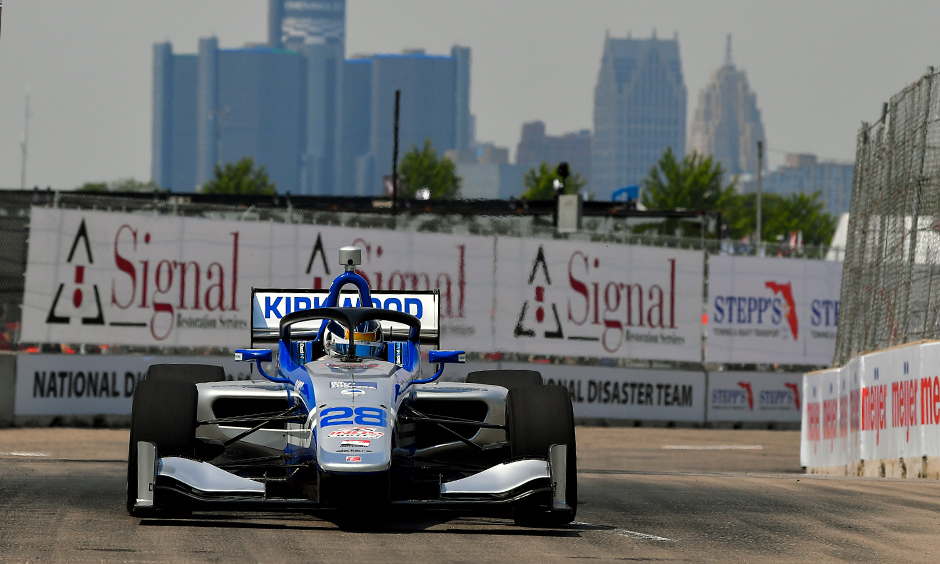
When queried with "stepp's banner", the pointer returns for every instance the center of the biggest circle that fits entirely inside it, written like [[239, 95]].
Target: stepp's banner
[[763, 310], [600, 300]]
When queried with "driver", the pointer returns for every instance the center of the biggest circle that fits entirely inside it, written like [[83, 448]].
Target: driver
[[367, 342]]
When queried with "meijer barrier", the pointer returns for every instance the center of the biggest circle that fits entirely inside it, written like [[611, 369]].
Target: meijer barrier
[[879, 415]]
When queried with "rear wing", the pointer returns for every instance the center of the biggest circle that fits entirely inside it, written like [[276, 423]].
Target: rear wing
[[268, 306]]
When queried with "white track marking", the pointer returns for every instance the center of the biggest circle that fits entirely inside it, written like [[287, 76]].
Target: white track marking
[[644, 536], [713, 447], [23, 454]]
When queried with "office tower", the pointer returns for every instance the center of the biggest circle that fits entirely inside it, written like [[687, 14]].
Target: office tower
[[354, 124], [324, 67], [428, 111], [535, 147], [727, 123], [174, 118], [292, 23], [223, 105], [639, 111], [805, 174], [465, 132]]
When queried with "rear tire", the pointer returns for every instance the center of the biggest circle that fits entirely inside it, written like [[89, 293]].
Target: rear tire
[[539, 417], [508, 379], [163, 413], [192, 373]]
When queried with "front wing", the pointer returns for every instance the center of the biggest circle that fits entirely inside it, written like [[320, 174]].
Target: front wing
[[207, 486]]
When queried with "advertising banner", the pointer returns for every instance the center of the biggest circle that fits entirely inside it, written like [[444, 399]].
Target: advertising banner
[[772, 311], [66, 384], [598, 300], [627, 393], [754, 396], [880, 406], [97, 277]]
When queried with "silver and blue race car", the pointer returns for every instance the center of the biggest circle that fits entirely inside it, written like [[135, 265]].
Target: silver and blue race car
[[349, 419]]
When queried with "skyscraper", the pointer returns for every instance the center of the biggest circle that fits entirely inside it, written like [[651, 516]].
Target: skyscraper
[[639, 110], [223, 105], [535, 148], [292, 23], [805, 174], [727, 123], [464, 133], [428, 111]]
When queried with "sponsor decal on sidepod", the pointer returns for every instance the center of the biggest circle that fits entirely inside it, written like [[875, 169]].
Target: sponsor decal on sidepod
[[357, 433], [354, 443]]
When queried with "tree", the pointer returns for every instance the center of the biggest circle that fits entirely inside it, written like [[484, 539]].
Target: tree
[[240, 179], [540, 183], [693, 184], [801, 212], [121, 185], [421, 169]]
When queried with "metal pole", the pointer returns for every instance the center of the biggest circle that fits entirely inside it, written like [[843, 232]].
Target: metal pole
[[395, 155], [760, 169], [24, 146]]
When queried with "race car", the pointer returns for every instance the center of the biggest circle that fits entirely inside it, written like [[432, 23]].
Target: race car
[[350, 419]]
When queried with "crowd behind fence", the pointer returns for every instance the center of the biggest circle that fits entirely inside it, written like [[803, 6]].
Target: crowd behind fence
[[611, 224], [891, 272]]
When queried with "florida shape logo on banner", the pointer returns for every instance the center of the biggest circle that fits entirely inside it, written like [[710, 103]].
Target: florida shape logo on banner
[[539, 270], [62, 314], [786, 292]]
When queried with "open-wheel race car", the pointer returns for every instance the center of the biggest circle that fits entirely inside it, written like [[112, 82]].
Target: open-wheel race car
[[349, 420]]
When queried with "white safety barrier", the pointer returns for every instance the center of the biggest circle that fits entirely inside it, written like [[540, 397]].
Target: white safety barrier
[[877, 415]]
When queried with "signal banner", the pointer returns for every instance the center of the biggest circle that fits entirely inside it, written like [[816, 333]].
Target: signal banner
[[98, 277], [770, 311], [597, 300], [754, 396]]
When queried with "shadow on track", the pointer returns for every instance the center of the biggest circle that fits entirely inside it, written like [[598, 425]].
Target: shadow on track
[[408, 522]]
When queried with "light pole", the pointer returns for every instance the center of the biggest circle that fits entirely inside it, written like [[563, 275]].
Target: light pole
[[760, 170]]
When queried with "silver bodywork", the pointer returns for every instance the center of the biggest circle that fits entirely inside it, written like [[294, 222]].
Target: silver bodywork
[[370, 384]]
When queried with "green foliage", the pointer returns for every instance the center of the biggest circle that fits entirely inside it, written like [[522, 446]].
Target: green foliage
[[93, 187], [122, 185], [695, 184], [420, 169], [540, 183], [240, 179]]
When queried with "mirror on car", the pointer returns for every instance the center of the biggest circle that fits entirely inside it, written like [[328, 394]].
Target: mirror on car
[[248, 355], [446, 357]]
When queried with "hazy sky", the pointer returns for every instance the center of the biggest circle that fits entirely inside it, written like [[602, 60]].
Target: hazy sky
[[818, 67]]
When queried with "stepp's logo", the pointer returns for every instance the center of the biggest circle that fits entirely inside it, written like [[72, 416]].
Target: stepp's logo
[[786, 291], [58, 314], [795, 388], [750, 394]]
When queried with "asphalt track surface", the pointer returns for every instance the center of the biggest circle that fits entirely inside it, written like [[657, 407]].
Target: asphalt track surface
[[62, 500]]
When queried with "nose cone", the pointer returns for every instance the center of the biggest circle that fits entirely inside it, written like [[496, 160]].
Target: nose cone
[[355, 426]]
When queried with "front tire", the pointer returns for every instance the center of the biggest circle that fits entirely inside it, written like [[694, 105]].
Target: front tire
[[192, 373], [508, 379], [539, 417], [163, 413]]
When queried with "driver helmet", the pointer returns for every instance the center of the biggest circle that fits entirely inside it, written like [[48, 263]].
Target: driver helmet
[[367, 342]]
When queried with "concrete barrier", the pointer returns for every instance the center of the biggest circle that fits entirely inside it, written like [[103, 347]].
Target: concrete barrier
[[878, 416], [97, 391]]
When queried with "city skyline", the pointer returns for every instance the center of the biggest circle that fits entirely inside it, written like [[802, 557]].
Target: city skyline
[[815, 68]]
